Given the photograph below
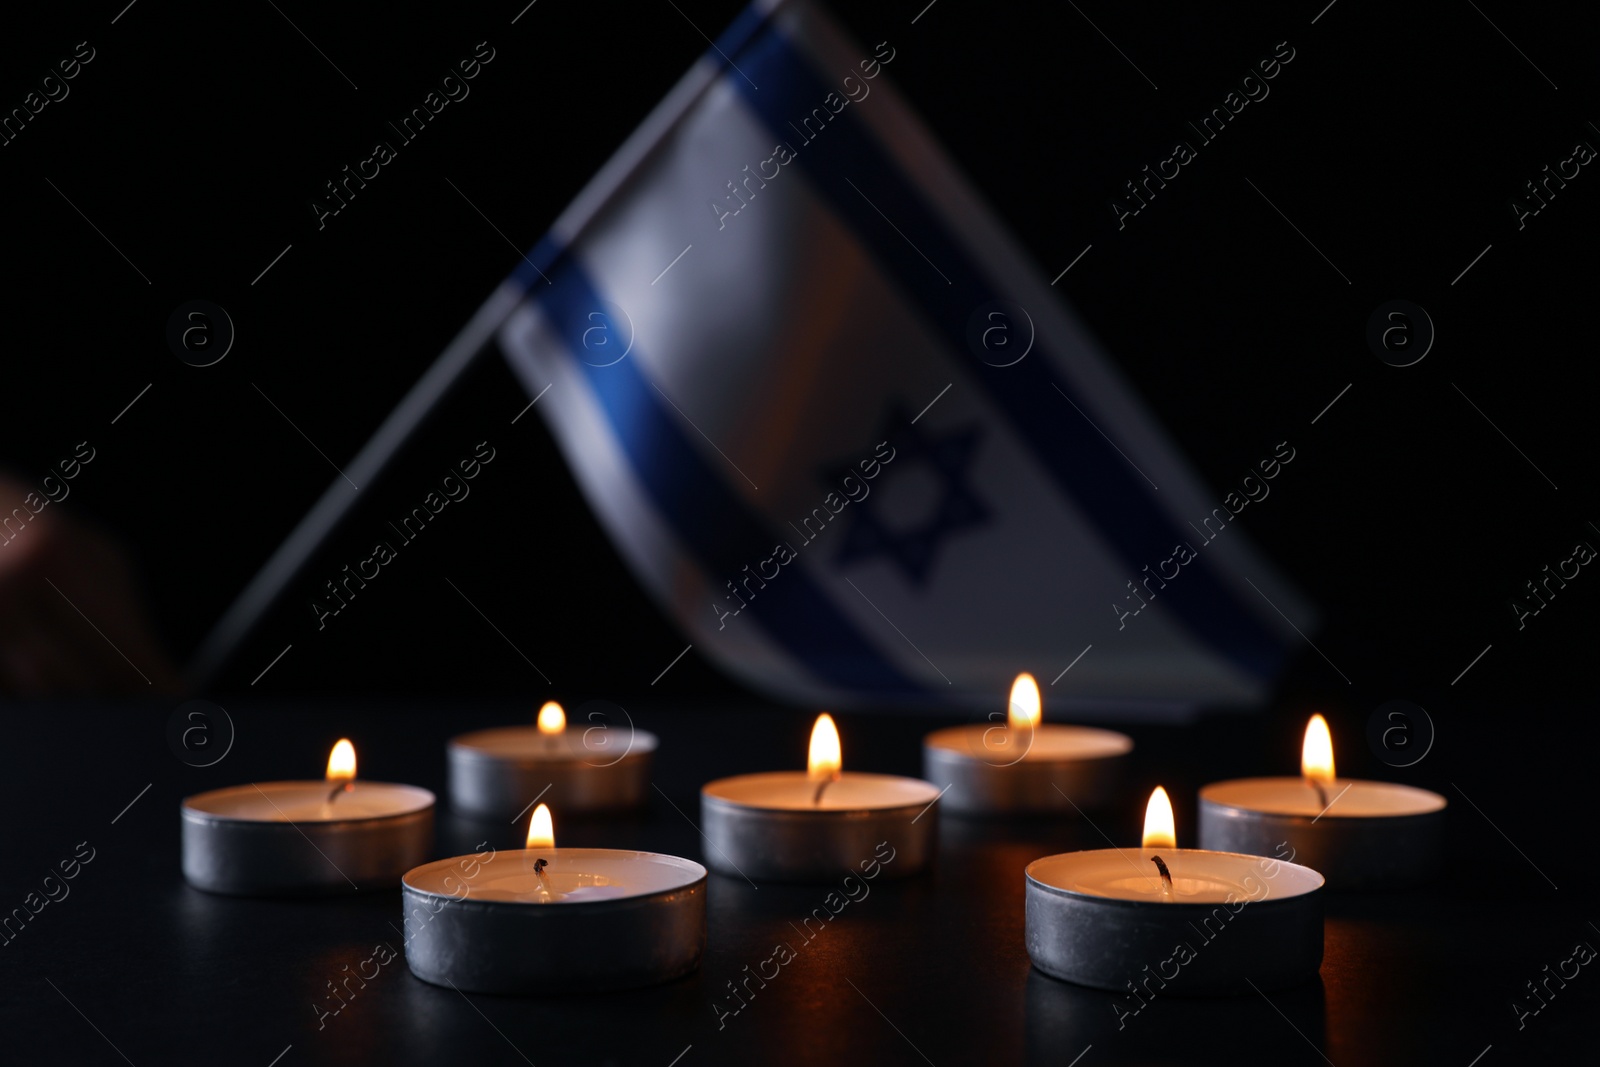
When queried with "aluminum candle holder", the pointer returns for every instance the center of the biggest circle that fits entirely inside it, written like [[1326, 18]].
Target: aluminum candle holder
[[762, 826], [1062, 770], [287, 839], [819, 823], [548, 920], [1164, 919], [498, 772], [1024, 766], [1378, 835], [1360, 835], [1237, 921]]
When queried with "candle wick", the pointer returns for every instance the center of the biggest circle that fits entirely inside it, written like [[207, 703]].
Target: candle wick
[[1166, 875], [538, 872], [342, 787], [1322, 794], [817, 800]]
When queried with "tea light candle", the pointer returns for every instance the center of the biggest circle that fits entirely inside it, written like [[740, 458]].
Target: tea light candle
[[554, 920], [1026, 766], [304, 838], [1162, 920], [817, 824], [498, 772], [1360, 835]]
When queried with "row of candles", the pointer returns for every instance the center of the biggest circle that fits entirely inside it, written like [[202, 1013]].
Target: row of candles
[[544, 918]]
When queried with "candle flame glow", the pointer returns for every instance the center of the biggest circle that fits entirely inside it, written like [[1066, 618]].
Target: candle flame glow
[[552, 720], [342, 761], [1159, 828], [1024, 712], [1316, 755], [824, 760], [541, 831]]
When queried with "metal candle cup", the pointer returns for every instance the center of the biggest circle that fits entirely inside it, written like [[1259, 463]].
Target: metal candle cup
[[1360, 835], [1059, 769], [289, 839], [584, 920], [1370, 835], [1192, 922], [1103, 918], [816, 824], [766, 826], [1023, 766], [499, 772]]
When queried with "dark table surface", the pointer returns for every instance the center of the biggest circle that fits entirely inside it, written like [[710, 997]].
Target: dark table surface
[[135, 966]]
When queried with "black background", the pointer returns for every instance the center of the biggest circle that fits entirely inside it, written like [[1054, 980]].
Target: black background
[[1395, 141]]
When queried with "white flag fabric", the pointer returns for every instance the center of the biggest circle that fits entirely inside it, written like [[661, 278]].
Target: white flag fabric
[[843, 430]]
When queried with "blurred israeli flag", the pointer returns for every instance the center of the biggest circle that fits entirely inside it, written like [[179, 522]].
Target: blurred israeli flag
[[842, 429]]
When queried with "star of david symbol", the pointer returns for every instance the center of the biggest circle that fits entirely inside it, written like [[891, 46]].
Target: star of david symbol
[[914, 546]]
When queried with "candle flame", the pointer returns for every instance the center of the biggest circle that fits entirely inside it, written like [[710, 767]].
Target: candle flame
[[552, 720], [1024, 712], [1316, 755], [541, 831], [342, 761], [824, 760], [1159, 829]]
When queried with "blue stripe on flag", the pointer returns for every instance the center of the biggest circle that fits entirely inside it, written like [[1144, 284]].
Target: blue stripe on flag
[[1086, 466], [538, 264], [709, 519]]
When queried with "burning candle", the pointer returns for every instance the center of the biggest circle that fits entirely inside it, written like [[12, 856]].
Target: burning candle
[[1169, 920], [297, 838], [1360, 835], [817, 824], [554, 920], [498, 772], [1026, 766]]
